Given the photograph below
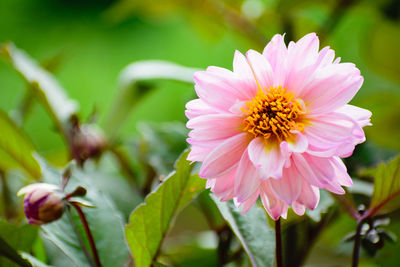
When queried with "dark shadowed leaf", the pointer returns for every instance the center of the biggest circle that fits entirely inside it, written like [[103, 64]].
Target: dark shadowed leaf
[[253, 231], [386, 195], [151, 220], [16, 148]]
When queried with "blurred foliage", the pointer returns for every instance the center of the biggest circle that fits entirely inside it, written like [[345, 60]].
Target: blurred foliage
[[125, 67]]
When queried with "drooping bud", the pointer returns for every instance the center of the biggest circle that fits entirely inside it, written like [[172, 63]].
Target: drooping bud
[[43, 203]]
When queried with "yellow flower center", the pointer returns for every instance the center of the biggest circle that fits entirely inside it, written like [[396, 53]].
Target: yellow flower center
[[274, 113]]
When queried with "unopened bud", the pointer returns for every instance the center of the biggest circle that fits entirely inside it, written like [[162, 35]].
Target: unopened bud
[[43, 203], [88, 141]]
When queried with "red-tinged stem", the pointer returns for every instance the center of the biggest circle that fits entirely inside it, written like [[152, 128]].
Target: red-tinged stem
[[88, 233], [371, 212], [80, 240], [357, 242], [278, 242]]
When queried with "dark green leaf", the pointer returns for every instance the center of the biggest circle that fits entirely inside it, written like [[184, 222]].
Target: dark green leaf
[[150, 221], [105, 222], [7, 251], [253, 231], [386, 195], [16, 148]]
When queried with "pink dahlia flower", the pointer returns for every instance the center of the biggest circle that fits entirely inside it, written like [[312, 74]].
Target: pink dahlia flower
[[277, 126]]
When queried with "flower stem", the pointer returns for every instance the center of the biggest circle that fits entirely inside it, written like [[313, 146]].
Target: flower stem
[[88, 233], [278, 241], [357, 239], [81, 243]]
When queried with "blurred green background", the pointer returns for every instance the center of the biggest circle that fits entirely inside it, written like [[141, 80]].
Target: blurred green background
[[87, 43]]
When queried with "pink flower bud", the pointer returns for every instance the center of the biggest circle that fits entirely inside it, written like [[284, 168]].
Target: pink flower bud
[[43, 203]]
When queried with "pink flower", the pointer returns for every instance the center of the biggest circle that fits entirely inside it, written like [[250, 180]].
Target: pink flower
[[277, 126]]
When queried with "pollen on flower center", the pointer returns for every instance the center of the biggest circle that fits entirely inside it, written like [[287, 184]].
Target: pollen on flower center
[[274, 113]]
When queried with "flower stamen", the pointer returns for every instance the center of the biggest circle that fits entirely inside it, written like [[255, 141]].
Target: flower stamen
[[274, 113]]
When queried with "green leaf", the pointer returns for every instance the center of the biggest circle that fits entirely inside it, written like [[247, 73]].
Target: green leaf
[[16, 148], [7, 251], [35, 262], [43, 84], [253, 231], [161, 143], [151, 220], [105, 221], [386, 195], [132, 88], [15, 238]]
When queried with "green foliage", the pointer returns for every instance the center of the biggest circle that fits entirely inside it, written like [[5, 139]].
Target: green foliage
[[161, 144], [43, 84], [8, 252], [253, 231], [16, 148], [386, 195], [132, 88], [150, 221], [14, 238], [105, 221]]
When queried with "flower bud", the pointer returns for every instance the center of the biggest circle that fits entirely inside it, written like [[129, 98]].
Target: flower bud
[[43, 203], [88, 141]]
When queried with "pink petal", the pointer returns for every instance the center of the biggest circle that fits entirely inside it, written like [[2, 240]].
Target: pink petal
[[243, 70], [267, 158], [309, 195], [299, 145], [298, 208], [197, 107], [276, 53], [214, 126], [288, 187], [261, 69], [198, 153], [362, 116], [224, 157], [274, 207], [333, 134], [332, 87], [247, 178], [249, 203], [223, 186], [317, 171]]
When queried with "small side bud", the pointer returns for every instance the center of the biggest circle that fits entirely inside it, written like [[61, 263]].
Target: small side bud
[[43, 203], [88, 141]]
